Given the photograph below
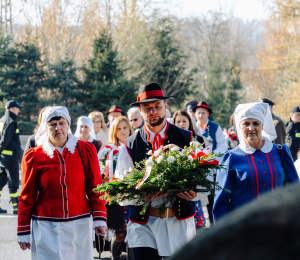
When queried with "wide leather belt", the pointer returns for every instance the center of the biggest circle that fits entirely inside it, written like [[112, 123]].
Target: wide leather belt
[[169, 213]]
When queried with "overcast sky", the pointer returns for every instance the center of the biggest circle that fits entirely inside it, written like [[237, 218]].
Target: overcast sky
[[245, 9]]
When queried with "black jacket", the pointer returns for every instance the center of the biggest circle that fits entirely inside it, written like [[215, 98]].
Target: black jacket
[[30, 143], [10, 145], [292, 139], [97, 144]]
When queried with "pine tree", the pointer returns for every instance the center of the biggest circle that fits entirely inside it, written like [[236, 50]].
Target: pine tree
[[104, 83], [223, 91], [21, 78], [163, 61], [63, 84]]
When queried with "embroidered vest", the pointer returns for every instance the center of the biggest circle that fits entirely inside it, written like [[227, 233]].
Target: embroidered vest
[[210, 133], [138, 145]]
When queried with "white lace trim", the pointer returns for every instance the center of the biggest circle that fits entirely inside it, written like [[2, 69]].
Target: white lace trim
[[250, 150], [99, 223], [25, 239], [70, 145]]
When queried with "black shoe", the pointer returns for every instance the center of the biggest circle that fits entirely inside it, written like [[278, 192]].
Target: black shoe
[[3, 210]]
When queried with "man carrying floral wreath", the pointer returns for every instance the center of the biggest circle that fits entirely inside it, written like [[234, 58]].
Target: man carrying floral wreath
[[154, 235]]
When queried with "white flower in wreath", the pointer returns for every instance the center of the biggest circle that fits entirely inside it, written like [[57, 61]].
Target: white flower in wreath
[[150, 152], [190, 158], [170, 159], [157, 152], [149, 162], [159, 159], [175, 149], [121, 178]]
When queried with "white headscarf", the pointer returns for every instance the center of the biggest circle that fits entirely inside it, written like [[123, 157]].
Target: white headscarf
[[84, 120], [41, 135], [258, 111]]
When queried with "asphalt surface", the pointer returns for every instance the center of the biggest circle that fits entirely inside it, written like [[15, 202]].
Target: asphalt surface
[[9, 248]]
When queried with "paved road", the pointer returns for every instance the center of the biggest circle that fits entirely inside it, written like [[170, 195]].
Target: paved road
[[9, 248]]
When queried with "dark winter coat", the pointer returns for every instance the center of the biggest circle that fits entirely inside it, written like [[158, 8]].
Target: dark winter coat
[[292, 139], [280, 130], [10, 145]]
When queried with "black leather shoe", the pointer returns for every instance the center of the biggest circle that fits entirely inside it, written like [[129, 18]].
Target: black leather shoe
[[3, 210]]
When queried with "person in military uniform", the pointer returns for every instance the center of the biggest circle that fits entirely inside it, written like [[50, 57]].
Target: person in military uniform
[[278, 123], [10, 153], [292, 139]]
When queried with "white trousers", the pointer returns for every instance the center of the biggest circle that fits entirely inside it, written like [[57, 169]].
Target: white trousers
[[165, 235], [62, 240]]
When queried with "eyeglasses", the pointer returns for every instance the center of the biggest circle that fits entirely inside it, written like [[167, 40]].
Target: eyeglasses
[[97, 122], [134, 120], [149, 109]]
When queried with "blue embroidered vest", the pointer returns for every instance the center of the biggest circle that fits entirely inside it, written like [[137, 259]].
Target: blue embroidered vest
[[210, 133], [138, 145]]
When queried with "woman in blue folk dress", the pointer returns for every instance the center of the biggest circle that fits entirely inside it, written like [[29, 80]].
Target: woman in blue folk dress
[[254, 167]]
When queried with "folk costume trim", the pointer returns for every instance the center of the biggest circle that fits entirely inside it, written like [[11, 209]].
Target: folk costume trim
[[274, 168], [48, 148], [250, 150], [157, 137], [252, 177], [256, 174], [150, 94], [62, 219]]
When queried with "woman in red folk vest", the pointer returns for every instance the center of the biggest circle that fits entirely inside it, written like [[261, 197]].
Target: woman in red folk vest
[[59, 176]]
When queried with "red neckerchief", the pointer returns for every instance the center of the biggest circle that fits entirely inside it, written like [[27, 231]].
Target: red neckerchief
[[157, 142]]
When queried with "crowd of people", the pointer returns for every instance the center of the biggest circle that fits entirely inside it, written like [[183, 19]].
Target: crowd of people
[[58, 209]]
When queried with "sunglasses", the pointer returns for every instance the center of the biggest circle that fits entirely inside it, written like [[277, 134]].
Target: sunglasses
[[134, 120]]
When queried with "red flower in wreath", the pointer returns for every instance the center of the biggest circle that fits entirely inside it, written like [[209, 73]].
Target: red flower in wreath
[[203, 155], [233, 135]]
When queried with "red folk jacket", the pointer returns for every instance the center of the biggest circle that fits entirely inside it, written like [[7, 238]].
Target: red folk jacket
[[58, 189]]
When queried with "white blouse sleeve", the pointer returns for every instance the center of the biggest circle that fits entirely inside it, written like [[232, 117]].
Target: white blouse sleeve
[[221, 141], [25, 238], [123, 164]]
